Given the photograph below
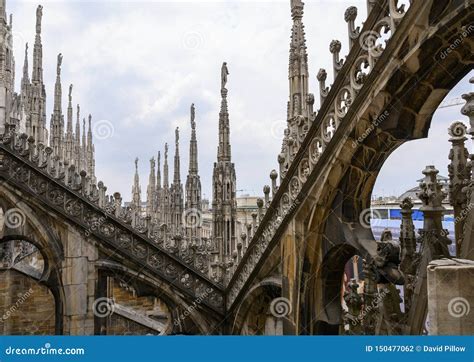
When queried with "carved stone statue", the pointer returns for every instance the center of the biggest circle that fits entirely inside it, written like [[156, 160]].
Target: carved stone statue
[[193, 115], [224, 74], [60, 61], [70, 93], [39, 16]]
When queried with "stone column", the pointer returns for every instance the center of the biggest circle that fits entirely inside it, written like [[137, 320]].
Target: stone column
[[451, 297], [79, 281], [291, 275], [407, 251], [459, 177]]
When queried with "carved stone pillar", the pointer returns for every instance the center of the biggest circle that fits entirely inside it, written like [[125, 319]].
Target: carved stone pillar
[[408, 251], [369, 312], [459, 177], [79, 278], [467, 249], [434, 245]]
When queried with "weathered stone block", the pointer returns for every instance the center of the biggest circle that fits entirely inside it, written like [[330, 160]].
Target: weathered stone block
[[451, 297], [76, 299]]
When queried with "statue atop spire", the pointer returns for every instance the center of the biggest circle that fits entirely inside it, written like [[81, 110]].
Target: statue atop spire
[[224, 74], [60, 62], [70, 94], [39, 16], [136, 165], [193, 115]]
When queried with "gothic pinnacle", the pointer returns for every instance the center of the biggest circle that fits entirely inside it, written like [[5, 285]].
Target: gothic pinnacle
[[39, 16], [25, 64], [193, 162], [177, 178], [37, 76], [69, 110], [165, 168], [223, 149], [158, 171]]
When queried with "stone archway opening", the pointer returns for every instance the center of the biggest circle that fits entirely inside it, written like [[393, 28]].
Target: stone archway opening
[[398, 178], [125, 307], [28, 306]]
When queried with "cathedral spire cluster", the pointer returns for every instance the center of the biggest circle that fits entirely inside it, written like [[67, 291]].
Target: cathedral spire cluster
[[172, 210], [26, 111]]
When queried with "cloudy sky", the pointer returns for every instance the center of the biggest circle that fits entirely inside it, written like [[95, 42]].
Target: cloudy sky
[[140, 64]]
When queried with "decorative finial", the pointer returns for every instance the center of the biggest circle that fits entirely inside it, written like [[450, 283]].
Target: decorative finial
[[136, 164], [166, 151], [431, 194], [406, 204], [224, 74], [90, 120], [39, 16], [457, 130], [297, 9], [176, 135]]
